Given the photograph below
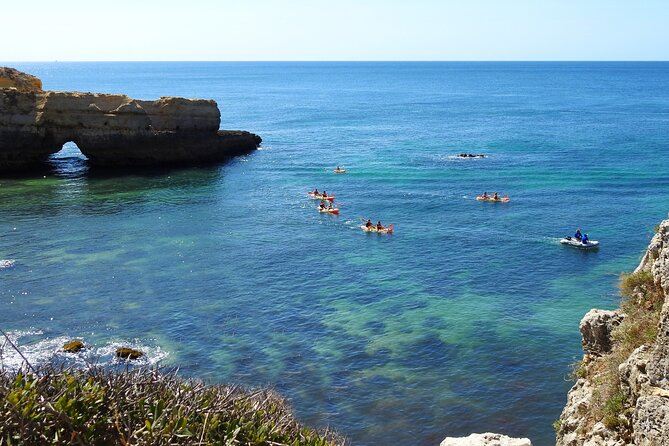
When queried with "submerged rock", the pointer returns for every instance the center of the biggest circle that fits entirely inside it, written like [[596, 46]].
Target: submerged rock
[[471, 155], [128, 353], [110, 130], [487, 439], [74, 346]]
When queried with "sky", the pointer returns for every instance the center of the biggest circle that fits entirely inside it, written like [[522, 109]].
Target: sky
[[347, 30]]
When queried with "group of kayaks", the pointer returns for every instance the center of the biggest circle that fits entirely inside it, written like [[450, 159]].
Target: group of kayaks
[[327, 206]]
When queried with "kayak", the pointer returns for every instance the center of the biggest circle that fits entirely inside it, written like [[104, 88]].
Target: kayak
[[388, 230], [330, 211], [339, 171], [321, 197], [579, 244], [503, 199]]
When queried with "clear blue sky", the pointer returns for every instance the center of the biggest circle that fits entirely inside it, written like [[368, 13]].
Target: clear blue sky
[[82, 30]]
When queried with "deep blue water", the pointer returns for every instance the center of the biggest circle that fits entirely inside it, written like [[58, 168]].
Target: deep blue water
[[464, 320]]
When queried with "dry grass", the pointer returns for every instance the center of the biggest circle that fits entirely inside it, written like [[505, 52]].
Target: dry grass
[[142, 407]]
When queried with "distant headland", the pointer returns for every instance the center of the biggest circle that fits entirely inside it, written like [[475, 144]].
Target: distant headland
[[110, 130]]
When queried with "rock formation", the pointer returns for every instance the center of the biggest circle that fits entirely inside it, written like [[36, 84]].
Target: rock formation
[[622, 397], [110, 130], [128, 353], [486, 439]]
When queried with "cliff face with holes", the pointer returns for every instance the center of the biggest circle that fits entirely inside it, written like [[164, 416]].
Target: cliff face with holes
[[621, 396], [111, 130]]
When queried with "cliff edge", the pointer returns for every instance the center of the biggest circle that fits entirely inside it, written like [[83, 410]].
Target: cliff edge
[[621, 395], [110, 130]]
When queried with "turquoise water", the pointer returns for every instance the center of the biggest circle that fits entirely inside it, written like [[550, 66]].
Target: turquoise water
[[466, 319]]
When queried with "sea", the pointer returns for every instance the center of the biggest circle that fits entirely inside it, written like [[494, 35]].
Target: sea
[[464, 319]]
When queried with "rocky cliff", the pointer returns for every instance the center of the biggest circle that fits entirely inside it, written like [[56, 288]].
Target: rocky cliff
[[110, 130], [621, 396]]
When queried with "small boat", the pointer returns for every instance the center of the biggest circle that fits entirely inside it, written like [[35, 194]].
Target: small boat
[[339, 171], [504, 199], [320, 197], [576, 243], [386, 230], [330, 211]]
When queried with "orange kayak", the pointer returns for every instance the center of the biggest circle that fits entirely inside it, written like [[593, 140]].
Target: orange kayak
[[387, 230], [503, 199], [320, 197]]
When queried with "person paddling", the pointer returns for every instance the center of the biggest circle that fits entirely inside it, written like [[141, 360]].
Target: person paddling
[[495, 196], [369, 223], [322, 205], [379, 226]]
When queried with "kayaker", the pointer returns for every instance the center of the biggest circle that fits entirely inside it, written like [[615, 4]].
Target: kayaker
[[324, 194], [315, 192], [585, 239], [578, 235], [330, 208], [369, 223], [338, 169], [379, 226], [322, 205], [485, 195], [495, 196]]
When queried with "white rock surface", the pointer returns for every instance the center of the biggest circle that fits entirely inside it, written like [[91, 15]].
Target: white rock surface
[[487, 439]]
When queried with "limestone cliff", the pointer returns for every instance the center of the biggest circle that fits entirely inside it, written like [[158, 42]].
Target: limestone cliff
[[621, 396], [111, 130]]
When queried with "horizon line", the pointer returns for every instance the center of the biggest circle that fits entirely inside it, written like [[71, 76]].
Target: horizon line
[[350, 61]]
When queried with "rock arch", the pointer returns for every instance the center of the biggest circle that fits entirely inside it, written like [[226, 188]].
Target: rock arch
[[112, 130]]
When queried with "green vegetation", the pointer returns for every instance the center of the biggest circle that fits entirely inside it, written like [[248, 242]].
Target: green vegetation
[[142, 407], [642, 303]]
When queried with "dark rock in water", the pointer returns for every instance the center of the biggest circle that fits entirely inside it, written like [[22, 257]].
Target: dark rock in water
[[128, 353], [110, 130], [74, 346], [472, 155]]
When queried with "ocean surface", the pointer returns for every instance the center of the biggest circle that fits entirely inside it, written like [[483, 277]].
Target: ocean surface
[[464, 320]]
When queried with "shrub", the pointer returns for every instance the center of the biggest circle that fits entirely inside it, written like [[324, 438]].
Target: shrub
[[142, 407]]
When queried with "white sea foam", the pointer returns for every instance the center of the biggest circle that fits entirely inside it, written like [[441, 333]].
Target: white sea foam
[[5, 264], [39, 350]]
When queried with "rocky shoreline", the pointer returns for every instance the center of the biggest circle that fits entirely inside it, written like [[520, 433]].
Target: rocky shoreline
[[621, 396], [110, 130]]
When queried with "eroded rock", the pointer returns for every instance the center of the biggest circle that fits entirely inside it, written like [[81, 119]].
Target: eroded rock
[[13, 78], [596, 328], [111, 130]]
